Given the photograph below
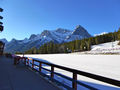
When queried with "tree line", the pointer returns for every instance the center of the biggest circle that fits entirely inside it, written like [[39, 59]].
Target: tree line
[[74, 46]]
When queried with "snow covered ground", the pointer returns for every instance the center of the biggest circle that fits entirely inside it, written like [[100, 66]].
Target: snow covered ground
[[104, 65], [110, 47], [105, 48]]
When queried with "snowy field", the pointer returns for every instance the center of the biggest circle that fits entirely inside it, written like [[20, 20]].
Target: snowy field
[[105, 48], [104, 65]]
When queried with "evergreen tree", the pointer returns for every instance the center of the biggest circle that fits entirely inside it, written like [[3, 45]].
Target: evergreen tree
[[77, 45]]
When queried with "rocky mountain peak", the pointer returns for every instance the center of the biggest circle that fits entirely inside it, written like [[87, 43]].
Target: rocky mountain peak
[[59, 35], [32, 36], [4, 40], [45, 33], [79, 30], [13, 39], [78, 27], [61, 30]]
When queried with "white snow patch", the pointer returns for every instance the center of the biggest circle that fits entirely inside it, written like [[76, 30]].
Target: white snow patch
[[100, 33], [44, 36], [110, 47]]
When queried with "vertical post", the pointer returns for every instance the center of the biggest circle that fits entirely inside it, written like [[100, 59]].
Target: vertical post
[[52, 71], [74, 84], [28, 61], [18, 60], [32, 63], [15, 60], [24, 60], [40, 65]]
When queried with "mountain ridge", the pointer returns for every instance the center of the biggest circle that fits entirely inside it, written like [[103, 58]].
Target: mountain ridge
[[59, 35]]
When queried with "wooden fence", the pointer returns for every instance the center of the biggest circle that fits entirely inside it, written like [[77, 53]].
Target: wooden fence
[[31, 62]]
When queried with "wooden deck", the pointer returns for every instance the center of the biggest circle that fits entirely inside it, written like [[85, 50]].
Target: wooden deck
[[20, 78]]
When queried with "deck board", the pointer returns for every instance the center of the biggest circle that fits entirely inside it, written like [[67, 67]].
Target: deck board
[[20, 78]]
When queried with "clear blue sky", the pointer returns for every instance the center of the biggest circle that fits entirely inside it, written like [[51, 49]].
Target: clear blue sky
[[25, 17]]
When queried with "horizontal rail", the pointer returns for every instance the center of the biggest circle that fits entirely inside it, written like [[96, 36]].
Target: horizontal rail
[[93, 76], [58, 82], [75, 73], [68, 78]]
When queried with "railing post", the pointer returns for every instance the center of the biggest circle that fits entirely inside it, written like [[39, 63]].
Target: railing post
[[40, 65], [32, 63], [74, 84], [28, 61], [25, 61], [15, 60], [52, 71]]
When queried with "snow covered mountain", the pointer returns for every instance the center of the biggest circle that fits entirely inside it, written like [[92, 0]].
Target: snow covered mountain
[[4, 40], [77, 34], [57, 36]]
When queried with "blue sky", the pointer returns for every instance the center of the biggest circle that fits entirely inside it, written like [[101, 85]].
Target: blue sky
[[25, 17]]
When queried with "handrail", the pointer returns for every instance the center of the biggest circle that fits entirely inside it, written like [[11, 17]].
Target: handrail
[[93, 76], [74, 71]]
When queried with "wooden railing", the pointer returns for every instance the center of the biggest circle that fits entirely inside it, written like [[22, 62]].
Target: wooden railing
[[28, 61]]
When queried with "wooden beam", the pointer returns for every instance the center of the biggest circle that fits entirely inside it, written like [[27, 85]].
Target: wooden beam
[[40, 65], [52, 71], [32, 63], [74, 84]]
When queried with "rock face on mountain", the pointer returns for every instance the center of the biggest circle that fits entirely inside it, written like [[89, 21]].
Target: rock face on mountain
[[4, 40], [77, 34], [32, 36], [57, 36], [81, 32]]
